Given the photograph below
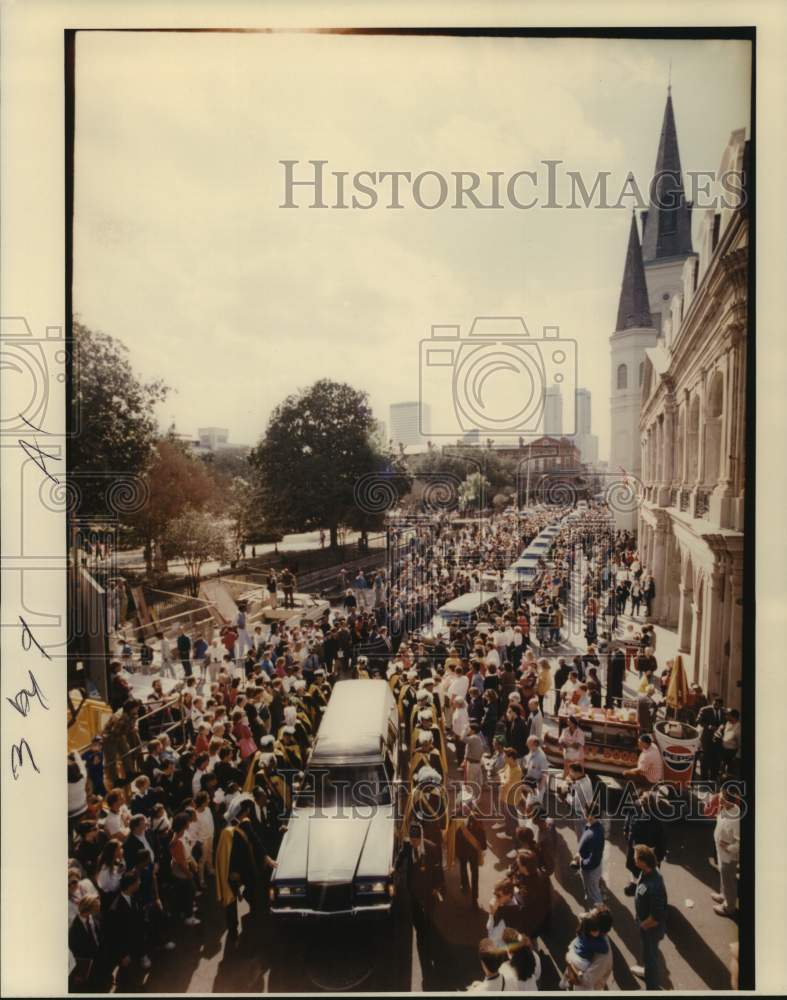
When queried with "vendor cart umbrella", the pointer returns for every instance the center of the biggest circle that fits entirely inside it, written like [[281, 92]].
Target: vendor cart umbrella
[[678, 687]]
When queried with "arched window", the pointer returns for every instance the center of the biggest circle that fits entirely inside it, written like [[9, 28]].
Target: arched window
[[623, 377], [713, 430], [641, 372]]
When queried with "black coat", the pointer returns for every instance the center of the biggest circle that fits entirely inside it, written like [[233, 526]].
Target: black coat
[[126, 930]]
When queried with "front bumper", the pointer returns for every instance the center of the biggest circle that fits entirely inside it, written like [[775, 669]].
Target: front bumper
[[362, 910]]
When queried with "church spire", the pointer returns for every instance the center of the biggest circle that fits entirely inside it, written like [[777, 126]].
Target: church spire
[[633, 309], [667, 223]]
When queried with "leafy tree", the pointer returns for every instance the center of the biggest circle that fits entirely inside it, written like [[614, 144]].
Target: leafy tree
[[474, 491], [175, 481], [114, 412], [317, 448], [197, 536], [231, 462]]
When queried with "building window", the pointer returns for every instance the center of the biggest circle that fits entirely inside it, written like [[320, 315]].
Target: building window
[[623, 377], [641, 372]]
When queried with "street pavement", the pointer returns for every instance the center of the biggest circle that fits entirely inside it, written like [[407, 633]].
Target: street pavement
[[382, 957]]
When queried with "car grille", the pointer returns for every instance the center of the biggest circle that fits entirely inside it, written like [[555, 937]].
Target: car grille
[[330, 898]]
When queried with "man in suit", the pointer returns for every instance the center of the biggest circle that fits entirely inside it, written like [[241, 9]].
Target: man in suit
[[615, 675], [86, 941], [127, 926], [710, 720]]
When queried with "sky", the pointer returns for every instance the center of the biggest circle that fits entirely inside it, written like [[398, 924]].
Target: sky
[[183, 251]]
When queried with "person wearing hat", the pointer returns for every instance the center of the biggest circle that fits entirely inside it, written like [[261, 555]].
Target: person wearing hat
[[289, 753], [427, 804], [407, 699], [425, 722], [425, 754], [236, 862]]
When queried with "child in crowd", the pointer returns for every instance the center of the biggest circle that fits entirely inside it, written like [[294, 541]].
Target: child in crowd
[[588, 943]]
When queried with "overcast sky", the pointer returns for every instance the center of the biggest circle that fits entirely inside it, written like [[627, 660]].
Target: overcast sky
[[182, 250]]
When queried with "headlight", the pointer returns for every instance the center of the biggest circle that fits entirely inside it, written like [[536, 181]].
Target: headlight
[[374, 887], [286, 891]]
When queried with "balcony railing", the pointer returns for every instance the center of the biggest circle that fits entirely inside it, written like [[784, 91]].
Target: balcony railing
[[673, 496]]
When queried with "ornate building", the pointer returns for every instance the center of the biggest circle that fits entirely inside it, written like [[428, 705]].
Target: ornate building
[[692, 429], [652, 275]]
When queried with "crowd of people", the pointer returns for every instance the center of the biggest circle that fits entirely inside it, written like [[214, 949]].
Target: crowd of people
[[181, 802]]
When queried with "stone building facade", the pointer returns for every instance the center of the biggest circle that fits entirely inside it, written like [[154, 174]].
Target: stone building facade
[[692, 432]]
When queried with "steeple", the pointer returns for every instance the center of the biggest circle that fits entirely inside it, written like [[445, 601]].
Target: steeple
[[667, 223], [633, 309]]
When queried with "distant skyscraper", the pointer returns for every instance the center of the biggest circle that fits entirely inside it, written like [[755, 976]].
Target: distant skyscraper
[[586, 441], [213, 437], [553, 411], [583, 411], [405, 423]]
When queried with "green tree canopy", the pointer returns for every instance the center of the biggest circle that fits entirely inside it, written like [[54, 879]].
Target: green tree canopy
[[175, 481], [114, 412], [317, 448], [197, 536]]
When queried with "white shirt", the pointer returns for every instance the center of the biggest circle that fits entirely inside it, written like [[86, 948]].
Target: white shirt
[[115, 822], [727, 834], [495, 984], [109, 879], [460, 722], [581, 794], [513, 984], [205, 825], [458, 688]]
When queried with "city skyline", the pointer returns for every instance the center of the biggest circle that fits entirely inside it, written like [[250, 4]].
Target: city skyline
[[164, 266]]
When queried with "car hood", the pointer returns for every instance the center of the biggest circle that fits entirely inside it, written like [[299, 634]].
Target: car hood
[[336, 846]]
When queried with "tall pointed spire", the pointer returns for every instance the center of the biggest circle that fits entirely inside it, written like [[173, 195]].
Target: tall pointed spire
[[633, 309], [667, 223]]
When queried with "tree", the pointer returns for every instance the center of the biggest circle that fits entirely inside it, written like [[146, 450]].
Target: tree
[[114, 416], [311, 464], [174, 481], [474, 491], [196, 536]]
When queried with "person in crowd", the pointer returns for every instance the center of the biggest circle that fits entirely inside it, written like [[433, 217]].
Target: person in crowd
[[469, 847], [650, 767], [650, 901], [87, 942], [643, 827], [588, 943], [572, 742], [184, 869], [522, 969], [491, 956], [727, 838], [590, 855]]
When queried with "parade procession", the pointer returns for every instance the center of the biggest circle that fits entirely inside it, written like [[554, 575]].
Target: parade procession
[[448, 744]]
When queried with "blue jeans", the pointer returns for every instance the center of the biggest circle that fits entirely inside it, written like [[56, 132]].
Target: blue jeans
[[591, 879], [650, 955]]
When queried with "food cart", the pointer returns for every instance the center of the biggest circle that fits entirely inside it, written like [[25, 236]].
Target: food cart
[[611, 736]]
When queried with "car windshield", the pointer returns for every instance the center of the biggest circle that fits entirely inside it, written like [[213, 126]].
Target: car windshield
[[344, 786]]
